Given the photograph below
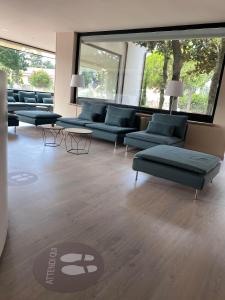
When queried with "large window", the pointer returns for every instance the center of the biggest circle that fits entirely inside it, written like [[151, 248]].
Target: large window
[[100, 69], [27, 68], [148, 59]]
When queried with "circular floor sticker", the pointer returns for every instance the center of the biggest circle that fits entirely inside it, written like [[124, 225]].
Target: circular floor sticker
[[21, 178], [68, 267]]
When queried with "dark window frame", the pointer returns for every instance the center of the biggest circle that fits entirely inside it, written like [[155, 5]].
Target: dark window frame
[[191, 116]]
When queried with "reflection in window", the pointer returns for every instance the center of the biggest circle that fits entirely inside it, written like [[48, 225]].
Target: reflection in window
[[100, 70]]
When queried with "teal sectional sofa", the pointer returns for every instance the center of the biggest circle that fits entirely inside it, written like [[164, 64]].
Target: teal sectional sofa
[[162, 130], [108, 122]]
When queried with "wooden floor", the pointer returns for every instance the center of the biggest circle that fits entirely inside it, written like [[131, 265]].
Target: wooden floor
[[156, 241]]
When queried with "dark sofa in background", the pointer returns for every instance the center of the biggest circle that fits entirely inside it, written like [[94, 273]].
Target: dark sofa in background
[[29, 100]]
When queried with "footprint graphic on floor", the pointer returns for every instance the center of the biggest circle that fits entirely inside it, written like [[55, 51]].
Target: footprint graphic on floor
[[73, 269]]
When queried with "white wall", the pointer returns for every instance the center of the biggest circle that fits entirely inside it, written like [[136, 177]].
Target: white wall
[[65, 56], [3, 159], [133, 74]]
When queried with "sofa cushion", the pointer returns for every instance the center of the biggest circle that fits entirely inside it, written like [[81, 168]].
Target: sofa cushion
[[180, 123], [160, 128], [35, 114], [154, 138], [194, 161], [109, 128], [41, 95], [118, 121], [10, 93], [118, 116], [47, 100], [22, 95], [74, 121], [29, 100], [86, 113], [11, 99]]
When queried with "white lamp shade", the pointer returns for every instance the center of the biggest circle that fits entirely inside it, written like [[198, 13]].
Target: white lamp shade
[[77, 81], [174, 88]]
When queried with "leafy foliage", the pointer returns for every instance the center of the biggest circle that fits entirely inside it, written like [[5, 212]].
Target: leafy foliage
[[40, 79], [13, 63], [36, 61], [197, 62]]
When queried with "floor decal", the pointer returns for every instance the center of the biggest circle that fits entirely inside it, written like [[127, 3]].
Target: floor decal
[[21, 178], [68, 267]]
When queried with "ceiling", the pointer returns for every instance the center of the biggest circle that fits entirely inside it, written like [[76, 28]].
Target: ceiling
[[36, 22]]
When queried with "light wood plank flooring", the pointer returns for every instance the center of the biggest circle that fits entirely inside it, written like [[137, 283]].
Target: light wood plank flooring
[[156, 241]]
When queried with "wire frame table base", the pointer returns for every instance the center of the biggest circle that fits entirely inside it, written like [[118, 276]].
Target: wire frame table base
[[51, 135], [78, 143]]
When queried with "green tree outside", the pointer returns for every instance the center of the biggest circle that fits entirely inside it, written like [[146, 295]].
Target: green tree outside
[[41, 80], [13, 62], [197, 62]]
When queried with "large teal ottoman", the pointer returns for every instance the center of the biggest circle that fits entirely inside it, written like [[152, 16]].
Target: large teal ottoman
[[191, 168], [37, 117]]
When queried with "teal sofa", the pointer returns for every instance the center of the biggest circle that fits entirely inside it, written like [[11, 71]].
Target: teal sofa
[[162, 130], [108, 122], [191, 168]]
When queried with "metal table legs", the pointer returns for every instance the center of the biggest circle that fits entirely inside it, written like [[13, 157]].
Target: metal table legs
[[78, 143]]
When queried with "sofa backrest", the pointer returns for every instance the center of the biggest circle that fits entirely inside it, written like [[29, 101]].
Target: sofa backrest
[[123, 113], [23, 95], [10, 93], [93, 111], [41, 95], [180, 123]]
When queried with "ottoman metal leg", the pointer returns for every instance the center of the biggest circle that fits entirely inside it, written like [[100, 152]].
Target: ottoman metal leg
[[196, 194], [136, 177]]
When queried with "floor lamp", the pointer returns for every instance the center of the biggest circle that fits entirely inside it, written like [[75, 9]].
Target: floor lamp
[[174, 89], [77, 81]]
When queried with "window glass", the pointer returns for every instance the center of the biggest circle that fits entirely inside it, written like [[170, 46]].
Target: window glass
[[147, 61], [100, 68], [27, 68]]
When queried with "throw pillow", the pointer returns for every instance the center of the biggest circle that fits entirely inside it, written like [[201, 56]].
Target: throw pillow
[[47, 100], [11, 99], [160, 128], [29, 100], [117, 116], [86, 113]]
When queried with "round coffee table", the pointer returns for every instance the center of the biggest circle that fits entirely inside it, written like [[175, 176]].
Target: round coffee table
[[79, 140], [55, 132]]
